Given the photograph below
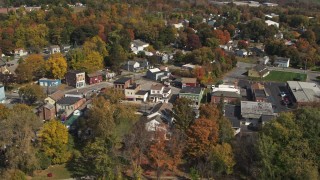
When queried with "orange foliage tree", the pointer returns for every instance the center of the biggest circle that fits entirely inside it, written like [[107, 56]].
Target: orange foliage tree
[[223, 36]]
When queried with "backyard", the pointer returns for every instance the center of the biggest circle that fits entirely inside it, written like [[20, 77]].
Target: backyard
[[57, 171], [281, 76]]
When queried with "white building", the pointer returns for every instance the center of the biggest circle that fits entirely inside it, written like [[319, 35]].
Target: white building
[[282, 62], [226, 88], [138, 45], [54, 49], [20, 52], [134, 93], [272, 23], [159, 93], [178, 25]]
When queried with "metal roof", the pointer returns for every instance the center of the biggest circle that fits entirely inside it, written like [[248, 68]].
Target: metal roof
[[255, 110], [304, 91]]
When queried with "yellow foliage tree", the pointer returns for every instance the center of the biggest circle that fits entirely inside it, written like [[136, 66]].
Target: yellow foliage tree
[[95, 44], [54, 141], [222, 158], [93, 62], [56, 66]]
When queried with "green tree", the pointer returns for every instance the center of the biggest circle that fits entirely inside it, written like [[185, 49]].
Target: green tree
[[183, 114], [54, 141], [222, 158], [95, 44], [31, 93], [56, 66]]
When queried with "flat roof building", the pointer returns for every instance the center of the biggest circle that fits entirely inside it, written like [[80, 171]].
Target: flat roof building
[[255, 110], [304, 92]]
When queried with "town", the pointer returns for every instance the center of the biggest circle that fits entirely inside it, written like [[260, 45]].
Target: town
[[167, 90]]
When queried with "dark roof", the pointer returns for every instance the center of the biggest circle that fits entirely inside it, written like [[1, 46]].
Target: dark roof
[[95, 74], [192, 90], [68, 100], [141, 92], [122, 80], [265, 118], [259, 67], [226, 94], [260, 93], [48, 106], [74, 72], [56, 95], [235, 123]]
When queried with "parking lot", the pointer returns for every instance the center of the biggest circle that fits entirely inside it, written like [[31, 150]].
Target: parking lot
[[273, 89]]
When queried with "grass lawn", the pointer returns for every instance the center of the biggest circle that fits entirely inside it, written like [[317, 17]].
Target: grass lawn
[[282, 76], [58, 172], [247, 60]]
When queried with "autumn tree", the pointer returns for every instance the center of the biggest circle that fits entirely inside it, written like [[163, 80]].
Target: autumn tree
[[193, 41], [24, 73], [95, 44], [33, 67], [202, 136], [31, 93], [54, 141], [221, 158], [223, 36], [56, 66], [183, 114]]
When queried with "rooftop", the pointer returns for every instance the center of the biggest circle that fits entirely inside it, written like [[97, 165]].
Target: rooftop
[[226, 94], [282, 59], [46, 79], [75, 72], [154, 70], [94, 74], [49, 106], [156, 87], [255, 110], [122, 80], [68, 100], [191, 90], [260, 93], [138, 42], [304, 91], [259, 67], [56, 95], [141, 92], [189, 80]]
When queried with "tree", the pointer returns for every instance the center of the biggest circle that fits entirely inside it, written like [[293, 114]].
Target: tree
[[202, 136], [54, 141], [91, 62], [183, 114], [56, 66], [223, 36], [221, 158], [24, 72], [193, 41], [95, 44], [37, 64], [31, 93], [117, 56], [18, 131]]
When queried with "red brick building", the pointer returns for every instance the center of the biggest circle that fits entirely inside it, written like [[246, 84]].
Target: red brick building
[[94, 78], [47, 112], [189, 82], [229, 97], [122, 83]]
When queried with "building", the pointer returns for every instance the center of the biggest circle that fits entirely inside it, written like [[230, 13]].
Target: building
[[20, 52], [259, 71], [134, 93], [253, 111], [94, 78], [189, 82], [132, 66], [241, 53], [157, 127], [138, 45], [272, 23], [189, 67], [195, 94], [76, 78], [282, 62], [122, 83], [159, 93], [259, 93], [67, 105], [47, 112], [157, 75], [2, 93], [49, 82], [54, 97], [270, 4], [304, 93], [228, 97], [265, 60], [54, 49]]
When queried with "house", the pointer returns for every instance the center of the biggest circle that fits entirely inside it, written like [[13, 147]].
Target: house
[[259, 93], [54, 97], [272, 23], [189, 82], [257, 51], [122, 83], [3, 67], [212, 22], [195, 94], [66, 48], [138, 45], [47, 112], [131, 66], [241, 53], [2, 93], [304, 93], [259, 71], [157, 75], [157, 127], [272, 15], [159, 93], [164, 110], [178, 25], [76, 78], [67, 105], [134, 93], [107, 74], [49, 82], [265, 60], [282, 62], [189, 67], [270, 4], [253, 111], [54, 49], [94, 78], [230, 93], [20, 52]]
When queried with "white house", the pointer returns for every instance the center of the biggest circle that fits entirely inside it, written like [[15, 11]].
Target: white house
[[156, 126], [178, 25], [272, 23], [20, 52], [134, 93], [54, 49], [282, 62], [138, 45], [159, 93]]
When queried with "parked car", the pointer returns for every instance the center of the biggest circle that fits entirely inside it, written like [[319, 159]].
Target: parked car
[[282, 94]]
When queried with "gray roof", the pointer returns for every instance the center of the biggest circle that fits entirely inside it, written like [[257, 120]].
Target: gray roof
[[255, 110], [122, 80], [68, 100], [304, 91], [226, 94], [191, 90], [49, 106], [259, 67], [141, 92], [138, 42], [281, 59], [260, 93], [94, 74]]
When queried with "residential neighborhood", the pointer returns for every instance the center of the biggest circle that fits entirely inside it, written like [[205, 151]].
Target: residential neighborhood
[[159, 89]]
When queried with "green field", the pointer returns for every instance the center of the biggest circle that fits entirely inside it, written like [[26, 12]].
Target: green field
[[58, 172], [281, 76]]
